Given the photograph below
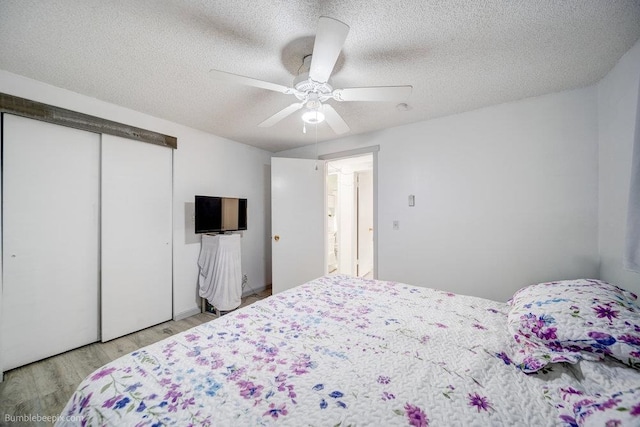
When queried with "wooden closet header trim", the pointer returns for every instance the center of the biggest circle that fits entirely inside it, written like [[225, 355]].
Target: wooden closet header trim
[[60, 116]]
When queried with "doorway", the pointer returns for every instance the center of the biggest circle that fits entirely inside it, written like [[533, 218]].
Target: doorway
[[350, 216]]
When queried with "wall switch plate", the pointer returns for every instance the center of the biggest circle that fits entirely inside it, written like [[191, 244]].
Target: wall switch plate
[[412, 200], [396, 225]]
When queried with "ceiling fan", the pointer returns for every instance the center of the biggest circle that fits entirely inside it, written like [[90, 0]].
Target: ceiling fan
[[313, 89]]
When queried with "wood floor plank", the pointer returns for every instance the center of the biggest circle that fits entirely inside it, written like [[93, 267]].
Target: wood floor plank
[[18, 386], [197, 322], [53, 403], [87, 359], [119, 347], [54, 373], [147, 337], [180, 326], [25, 414]]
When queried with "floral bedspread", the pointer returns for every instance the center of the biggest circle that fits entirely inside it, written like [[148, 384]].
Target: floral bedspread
[[334, 351]]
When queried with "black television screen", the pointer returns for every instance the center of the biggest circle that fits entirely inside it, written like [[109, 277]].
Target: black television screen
[[219, 214]]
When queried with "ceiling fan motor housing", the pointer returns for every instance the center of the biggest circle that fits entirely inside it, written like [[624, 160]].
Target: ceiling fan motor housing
[[305, 86]]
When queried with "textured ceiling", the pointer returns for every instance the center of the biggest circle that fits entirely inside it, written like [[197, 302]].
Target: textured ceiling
[[154, 56]]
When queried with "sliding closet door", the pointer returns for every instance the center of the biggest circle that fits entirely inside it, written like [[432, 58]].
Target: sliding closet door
[[50, 239], [136, 236]]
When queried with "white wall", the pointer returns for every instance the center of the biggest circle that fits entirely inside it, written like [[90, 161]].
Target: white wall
[[203, 164], [212, 166], [505, 195], [617, 103]]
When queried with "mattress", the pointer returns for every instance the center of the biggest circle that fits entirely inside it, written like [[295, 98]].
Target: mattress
[[340, 351]]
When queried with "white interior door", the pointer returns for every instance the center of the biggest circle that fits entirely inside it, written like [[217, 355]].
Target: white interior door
[[365, 223], [50, 207], [297, 222], [136, 236]]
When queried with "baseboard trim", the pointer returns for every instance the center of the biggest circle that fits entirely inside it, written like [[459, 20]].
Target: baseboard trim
[[186, 314]]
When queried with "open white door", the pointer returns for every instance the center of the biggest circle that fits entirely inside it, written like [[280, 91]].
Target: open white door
[[365, 223], [297, 222]]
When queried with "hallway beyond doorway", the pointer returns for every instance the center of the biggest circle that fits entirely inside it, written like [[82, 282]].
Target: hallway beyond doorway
[[350, 218]]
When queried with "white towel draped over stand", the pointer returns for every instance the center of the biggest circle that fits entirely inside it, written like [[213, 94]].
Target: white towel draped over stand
[[220, 279]]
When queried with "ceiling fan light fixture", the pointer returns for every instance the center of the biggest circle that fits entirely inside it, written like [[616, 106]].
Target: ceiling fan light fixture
[[313, 117]]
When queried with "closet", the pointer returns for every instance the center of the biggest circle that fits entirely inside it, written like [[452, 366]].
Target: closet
[[86, 238]]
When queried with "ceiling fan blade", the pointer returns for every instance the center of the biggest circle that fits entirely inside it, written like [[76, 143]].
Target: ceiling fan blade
[[248, 81], [334, 120], [379, 93], [281, 115], [330, 38]]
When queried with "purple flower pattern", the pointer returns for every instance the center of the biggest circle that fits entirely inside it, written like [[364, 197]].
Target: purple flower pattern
[[276, 411], [633, 340], [102, 373], [384, 379], [388, 396], [606, 312], [300, 351], [621, 408], [480, 402], [416, 416], [504, 357], [573, 320]]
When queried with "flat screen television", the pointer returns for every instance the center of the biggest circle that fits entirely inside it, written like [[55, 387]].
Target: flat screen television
[[220, 214]]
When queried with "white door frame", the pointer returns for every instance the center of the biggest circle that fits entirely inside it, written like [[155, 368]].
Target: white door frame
[[374, 149]]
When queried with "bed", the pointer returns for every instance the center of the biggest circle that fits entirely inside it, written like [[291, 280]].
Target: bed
[[345, 351]]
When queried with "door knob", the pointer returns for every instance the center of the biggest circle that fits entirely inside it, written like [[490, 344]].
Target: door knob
[[276, 237]]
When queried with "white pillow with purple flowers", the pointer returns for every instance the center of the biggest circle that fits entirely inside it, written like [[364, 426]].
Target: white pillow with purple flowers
[[572, 320], [621, 408]]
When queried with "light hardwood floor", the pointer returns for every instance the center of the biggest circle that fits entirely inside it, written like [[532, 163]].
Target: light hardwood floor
[[43, 388]]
